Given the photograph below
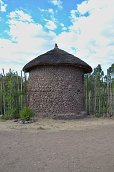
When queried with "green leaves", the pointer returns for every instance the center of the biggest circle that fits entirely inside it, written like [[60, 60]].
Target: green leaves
[[26, 114], [99, 91], [12, 94]]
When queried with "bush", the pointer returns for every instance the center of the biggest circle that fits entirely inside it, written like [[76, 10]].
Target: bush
[[1, 118], [26, 114], [10, 114]]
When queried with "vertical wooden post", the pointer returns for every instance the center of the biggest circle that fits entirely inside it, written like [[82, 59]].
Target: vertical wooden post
[[25, 89], [10, 100], [107, 93], [21, 90], [110, 93], [18, 91], [95, 96], [87, 93], [89, 104], [99, 105], [4, 103], [1, 94]]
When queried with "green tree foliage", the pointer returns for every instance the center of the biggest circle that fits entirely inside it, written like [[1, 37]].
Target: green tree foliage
[[110, 73], [12, 94], [99, 90]]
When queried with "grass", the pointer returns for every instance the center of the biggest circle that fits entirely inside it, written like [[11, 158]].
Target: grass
[[47, 124], [40, 128], [2, 119]]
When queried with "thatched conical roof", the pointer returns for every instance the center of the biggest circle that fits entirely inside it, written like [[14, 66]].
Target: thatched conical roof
[[57, 56]]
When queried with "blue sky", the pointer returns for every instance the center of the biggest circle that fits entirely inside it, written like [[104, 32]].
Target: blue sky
[[30, 28]]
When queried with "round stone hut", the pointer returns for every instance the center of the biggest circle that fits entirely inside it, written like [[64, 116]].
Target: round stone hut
[[56, 84]]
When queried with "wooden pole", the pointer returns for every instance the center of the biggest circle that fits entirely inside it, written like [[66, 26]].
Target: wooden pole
[[95, 96], [107, 93], [25, 89], [1, 94], [18, 91], [110, 90], [10, 95], [89, 108], [87, 93], [4, 103], [21, 90]]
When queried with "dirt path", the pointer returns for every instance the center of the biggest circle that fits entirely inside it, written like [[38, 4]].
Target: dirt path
[[57, 146]]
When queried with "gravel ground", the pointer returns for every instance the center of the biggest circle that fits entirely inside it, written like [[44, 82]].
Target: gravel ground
[[57, 146]]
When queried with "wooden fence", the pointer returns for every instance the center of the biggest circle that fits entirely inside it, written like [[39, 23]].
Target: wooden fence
[[102, 105], [99, 95], [13, 91]]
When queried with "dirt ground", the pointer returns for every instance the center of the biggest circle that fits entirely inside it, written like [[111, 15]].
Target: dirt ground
[[57, 146]]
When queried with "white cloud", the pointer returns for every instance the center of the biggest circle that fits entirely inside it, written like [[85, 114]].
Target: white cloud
[[50, 25], [48, 14], [51, 11], [90, 36], [57, 3], [91, 6], [19, 15], [28, 39], [49, 18], [91, 33], [2, 6], [63, 27]]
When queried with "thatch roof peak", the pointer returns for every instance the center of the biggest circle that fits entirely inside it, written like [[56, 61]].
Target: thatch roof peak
[[56, 46]]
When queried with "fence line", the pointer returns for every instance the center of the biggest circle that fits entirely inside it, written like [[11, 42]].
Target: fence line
[[13, 95], [12, 92], [100, 105]]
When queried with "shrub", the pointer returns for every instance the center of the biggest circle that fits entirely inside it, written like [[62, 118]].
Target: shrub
[[10, 114], [1, 118], [26, 114]]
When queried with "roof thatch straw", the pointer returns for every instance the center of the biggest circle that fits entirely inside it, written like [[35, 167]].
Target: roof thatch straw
[[57, 56]]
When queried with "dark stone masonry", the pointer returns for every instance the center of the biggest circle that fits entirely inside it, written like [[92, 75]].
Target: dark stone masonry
[[56, 84]]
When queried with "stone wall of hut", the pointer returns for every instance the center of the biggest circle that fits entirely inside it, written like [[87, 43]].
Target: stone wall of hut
[[56, 90]]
